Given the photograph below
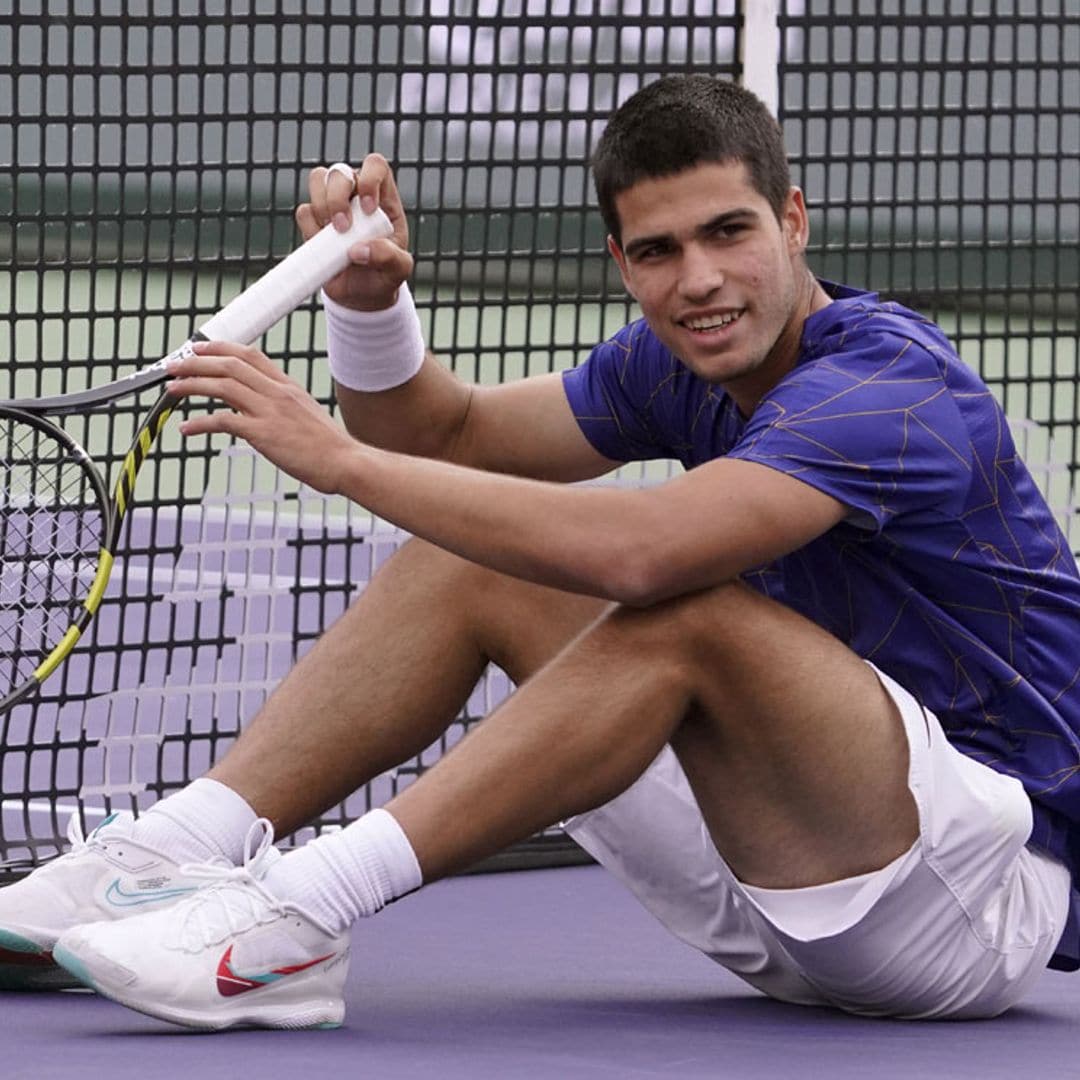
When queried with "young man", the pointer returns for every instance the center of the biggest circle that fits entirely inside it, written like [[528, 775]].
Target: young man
[[813, 700]]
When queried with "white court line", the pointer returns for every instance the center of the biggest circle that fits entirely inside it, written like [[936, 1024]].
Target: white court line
[[186, 583], [40, 806]]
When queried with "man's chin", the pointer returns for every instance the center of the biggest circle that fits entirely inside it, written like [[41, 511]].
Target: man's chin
[[718, 370]]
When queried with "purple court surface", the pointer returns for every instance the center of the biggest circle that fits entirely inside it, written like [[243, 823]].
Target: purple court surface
[[545, 974]]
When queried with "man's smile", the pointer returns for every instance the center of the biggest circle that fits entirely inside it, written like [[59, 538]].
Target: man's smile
[[711, 323]]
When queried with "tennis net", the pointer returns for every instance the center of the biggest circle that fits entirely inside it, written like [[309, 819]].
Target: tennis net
[[158, 148]]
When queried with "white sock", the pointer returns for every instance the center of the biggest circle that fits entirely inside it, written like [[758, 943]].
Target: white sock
[[202, 822], [344, 876]]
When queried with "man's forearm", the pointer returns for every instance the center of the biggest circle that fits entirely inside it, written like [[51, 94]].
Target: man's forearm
[[423, 416], [636, 546], [391, 390], [580, 539]]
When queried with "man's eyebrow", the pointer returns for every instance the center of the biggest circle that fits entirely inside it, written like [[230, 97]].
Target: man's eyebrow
[[728, 217], [643, 242]]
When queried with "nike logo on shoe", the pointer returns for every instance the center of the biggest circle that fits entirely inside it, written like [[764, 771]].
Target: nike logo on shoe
[[229, 983], [119, 897]]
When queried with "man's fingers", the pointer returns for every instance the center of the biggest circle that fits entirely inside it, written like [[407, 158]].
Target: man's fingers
[[329, 190], [267, 409], [235, 374], [237, 395], [306, 220], [375, 186], [221, 422], [384, 256], [316, 205], [228, 358], [378, 266], [374, 182], [340, 188]]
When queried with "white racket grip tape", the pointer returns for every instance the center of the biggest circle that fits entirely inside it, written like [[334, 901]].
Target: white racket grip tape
[[285, 287]]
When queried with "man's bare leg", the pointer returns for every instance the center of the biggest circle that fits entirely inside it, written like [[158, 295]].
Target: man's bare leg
[[381, 685], [389, 677], [796, 754]]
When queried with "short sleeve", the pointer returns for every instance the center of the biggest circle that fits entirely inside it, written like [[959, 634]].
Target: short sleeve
[[635, 401], [605, 395], [875, 426]]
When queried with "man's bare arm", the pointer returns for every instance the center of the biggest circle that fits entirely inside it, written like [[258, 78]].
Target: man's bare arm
[[632, 546], [524, 427]]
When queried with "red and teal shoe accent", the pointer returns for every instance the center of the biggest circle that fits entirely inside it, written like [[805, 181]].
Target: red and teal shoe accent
[[230, 983], [25, 965]]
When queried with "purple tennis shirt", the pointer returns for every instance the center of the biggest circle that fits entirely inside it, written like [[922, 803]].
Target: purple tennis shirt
[[950, 573]]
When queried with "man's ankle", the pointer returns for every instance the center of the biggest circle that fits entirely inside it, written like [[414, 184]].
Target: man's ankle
[[202, 822]]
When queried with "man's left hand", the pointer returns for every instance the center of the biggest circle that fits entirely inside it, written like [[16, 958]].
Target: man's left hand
[[270, 411]]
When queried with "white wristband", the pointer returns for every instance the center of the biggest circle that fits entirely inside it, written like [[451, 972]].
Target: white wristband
[[374, 350]]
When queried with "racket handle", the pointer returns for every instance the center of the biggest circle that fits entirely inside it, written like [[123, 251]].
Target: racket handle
[[285, 287]]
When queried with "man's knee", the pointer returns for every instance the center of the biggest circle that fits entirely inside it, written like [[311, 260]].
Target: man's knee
[[517, 625], [447, 578], [691, 631], [417, 560]]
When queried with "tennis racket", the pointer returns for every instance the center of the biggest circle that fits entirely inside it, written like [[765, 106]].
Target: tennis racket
[[59, 525]]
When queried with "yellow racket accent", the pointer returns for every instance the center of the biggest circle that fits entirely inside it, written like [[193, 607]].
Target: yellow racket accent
[[101, 579], [125, 482], [71, 638], [131, 466], [54, 659], [134, 458]]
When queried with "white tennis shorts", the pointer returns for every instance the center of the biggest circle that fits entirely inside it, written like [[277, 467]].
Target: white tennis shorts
[[960, 926]]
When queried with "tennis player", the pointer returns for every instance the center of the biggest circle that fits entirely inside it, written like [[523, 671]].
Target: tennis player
[[815, 700]]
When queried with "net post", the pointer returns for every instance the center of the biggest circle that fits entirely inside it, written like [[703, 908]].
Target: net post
[[759, 50]]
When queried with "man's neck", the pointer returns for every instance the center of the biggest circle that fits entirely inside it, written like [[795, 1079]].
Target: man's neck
[[785, 352]]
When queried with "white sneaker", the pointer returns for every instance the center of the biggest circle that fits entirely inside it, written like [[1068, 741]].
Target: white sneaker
[[107, 875], [231, 955]]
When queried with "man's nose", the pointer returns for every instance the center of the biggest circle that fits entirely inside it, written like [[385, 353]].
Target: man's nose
[[701, 273]]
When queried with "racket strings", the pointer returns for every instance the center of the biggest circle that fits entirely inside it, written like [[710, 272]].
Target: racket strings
[[51, 531]]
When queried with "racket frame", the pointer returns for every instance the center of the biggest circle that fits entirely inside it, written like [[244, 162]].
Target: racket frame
[[244, 319], [90, 603]]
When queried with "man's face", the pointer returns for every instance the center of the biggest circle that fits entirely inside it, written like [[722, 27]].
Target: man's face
[[719, 279]]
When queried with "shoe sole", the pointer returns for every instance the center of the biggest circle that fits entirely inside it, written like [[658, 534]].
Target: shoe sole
[[26, 965], [322, 1016]]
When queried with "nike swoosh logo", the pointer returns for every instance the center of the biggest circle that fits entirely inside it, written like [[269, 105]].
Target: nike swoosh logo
[[116, 895], [229, 983]]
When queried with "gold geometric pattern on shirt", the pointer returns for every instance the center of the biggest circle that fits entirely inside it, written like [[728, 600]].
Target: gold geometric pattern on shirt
[[957, 640]]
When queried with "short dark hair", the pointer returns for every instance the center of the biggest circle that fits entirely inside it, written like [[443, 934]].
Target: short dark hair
[[677, 122]]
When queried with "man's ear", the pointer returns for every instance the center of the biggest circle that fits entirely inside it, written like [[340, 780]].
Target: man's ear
[[620, 262], [796, 222]]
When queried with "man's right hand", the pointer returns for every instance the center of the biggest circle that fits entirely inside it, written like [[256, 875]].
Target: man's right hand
[[378, 266]]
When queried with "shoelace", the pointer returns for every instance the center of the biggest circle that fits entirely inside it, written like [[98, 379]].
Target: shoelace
[[78, 840], [233, 899], [75, 835]]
